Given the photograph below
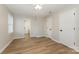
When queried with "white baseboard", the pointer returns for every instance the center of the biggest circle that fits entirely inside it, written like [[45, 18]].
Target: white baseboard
[[55, 40], [18, 37], [74, 48], [5, 46], [52, 38], [39, 36]]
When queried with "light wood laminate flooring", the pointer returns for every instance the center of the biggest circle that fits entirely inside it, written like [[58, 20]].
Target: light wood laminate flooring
[[41, 45]]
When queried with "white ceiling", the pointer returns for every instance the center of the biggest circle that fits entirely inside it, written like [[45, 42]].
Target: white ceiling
[[29, 11]]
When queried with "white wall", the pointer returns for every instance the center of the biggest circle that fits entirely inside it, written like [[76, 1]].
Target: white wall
[[53, 26], [37, 27], [4, 36], [18, 27], [53, 22], [56, 26]]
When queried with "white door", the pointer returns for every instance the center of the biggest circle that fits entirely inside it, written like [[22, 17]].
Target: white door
[[77, 28], [67, 28]]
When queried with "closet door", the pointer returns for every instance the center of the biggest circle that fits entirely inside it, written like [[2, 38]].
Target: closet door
[[67, 28], [77, 28]]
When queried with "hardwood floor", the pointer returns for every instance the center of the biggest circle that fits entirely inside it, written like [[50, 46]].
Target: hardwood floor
[[35, 45]]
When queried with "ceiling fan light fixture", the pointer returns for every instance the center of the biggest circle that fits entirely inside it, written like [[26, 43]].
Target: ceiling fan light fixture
[[38, 7]]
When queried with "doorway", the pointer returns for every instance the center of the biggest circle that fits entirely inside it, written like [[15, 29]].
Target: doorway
[[27, 28]]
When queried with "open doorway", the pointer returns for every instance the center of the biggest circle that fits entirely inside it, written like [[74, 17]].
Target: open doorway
[[27, 28]]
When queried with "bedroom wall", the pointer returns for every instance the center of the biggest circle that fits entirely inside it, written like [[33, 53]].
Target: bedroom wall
[[18, 27], [5, 37], [53, 26], [37, 27]]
